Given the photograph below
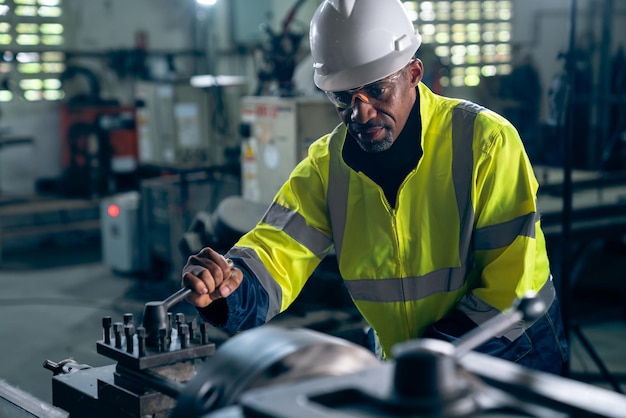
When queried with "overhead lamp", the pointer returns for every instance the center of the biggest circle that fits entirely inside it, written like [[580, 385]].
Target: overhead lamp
[[206, 3]]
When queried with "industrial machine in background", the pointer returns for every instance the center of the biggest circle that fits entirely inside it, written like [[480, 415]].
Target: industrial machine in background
[[99, 145], [183, 126], [276, 134], [99, 150], [121, 232], [141, 230], [188, 160], [278, 56], [168, 206], [167, 365]]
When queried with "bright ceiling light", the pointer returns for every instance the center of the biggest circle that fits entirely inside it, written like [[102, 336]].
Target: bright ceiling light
[[206, 3]]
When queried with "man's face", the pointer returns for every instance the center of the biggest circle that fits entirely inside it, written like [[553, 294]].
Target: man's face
[[375, 114]]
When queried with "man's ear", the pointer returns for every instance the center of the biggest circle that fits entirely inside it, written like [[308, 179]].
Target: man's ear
[[416, 71]]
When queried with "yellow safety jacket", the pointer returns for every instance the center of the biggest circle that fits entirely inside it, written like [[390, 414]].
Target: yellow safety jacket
[[465, 231]]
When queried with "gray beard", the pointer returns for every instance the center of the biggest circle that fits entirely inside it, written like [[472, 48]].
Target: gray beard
[[375, 146]]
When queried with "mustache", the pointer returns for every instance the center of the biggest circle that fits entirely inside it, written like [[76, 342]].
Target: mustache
[[363, 127]]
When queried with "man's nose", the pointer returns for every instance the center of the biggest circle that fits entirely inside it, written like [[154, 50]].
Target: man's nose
[[362, 109], [359, 96]]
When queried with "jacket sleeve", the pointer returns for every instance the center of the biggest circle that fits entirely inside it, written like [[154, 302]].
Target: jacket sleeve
[[279, 254], [245, 308], [508, 244]]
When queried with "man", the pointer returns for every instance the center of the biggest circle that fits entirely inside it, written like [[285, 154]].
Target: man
[[428, 202]]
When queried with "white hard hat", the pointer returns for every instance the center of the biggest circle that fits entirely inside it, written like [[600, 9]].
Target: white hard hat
[[357, 42]]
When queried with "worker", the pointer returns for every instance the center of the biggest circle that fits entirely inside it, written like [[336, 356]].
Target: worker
[[428, 203]]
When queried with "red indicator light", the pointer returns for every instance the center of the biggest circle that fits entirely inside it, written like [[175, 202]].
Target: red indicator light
[[113, 210]]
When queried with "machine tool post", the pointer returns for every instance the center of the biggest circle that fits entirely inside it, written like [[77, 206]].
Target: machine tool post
[[118, 327], [163, 345], [128, 319], [167, 386], [129, 332], [193, 325], [528, 308], [183, 335], [155, 315], [204, 333], [141, 341], [106, 326], [180, 319]]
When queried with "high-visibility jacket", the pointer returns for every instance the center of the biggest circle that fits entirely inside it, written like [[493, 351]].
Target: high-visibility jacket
[[465, 232]]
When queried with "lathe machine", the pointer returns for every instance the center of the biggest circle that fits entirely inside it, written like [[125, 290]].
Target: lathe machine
[[167, 367]]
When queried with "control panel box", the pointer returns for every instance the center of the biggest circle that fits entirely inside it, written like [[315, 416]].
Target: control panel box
[[277, 133]]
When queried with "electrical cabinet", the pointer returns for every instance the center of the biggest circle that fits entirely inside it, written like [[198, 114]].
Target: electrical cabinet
[[173, 126], [120, 232], [277, 133]]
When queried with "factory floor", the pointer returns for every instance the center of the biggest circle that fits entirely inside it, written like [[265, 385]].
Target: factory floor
[[54, 296]]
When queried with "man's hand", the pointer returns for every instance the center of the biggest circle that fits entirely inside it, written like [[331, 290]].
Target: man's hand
[[210, 276]]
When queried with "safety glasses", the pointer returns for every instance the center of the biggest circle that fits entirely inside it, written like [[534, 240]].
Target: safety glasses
[[380, 90]]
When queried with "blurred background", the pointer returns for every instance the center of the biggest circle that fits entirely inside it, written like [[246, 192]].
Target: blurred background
[[133, 133]]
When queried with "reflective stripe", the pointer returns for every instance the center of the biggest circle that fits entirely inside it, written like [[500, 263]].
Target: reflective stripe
[[463, 117], [406, 289], [337, 195], [294, 225], [502, 235], [480, 311], [252, 261]]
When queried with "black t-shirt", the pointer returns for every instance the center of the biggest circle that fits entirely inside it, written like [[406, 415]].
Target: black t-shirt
[[389, 168]]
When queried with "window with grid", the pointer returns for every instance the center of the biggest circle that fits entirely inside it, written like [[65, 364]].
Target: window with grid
[[472, 38], [31, 58]]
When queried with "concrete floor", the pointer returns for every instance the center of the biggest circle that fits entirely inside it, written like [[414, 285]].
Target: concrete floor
[[54, 296], [51, 307]]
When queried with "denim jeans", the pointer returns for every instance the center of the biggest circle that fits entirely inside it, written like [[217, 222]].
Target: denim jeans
[[543, 346]]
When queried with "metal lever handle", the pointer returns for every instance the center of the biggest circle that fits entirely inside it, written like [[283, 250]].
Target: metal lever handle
[[181, 294], [528, 308], [155, 313], [176, 298]]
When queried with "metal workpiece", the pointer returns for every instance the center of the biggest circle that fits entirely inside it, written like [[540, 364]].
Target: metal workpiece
[[266, 356], [66, 366], [427, 377], [427, 380]]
